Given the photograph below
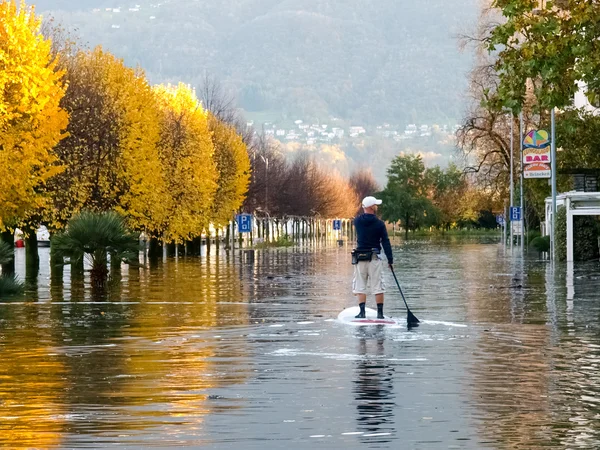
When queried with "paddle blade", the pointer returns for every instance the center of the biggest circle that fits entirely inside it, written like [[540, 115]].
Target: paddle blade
[[412, 320]]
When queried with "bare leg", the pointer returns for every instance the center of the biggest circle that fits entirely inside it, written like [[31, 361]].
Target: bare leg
[[362, 298], [378, 299]]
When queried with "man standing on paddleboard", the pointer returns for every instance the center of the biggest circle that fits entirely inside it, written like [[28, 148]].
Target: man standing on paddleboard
[[371, 235]]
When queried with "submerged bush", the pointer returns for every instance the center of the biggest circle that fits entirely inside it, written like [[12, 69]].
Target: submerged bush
[[6, 253], [95, 236], [541, 243], [283, 241], [9, 285]]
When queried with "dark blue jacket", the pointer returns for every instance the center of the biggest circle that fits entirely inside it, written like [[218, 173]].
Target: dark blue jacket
[[372, 233]]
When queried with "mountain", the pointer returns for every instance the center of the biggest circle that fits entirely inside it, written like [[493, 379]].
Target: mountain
[[364, 61]]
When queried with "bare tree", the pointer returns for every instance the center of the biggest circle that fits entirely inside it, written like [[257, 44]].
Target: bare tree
[[218, 101], [363, 183]]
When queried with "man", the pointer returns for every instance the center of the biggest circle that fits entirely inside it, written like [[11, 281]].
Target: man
[[371, 236]]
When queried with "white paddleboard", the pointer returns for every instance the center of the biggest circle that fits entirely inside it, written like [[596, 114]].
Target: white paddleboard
[[348, 316]]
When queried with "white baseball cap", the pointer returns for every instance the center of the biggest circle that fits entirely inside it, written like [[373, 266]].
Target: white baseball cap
[[371, 201]]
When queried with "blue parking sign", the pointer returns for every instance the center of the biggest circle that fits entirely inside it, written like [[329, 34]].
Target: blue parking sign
[[244, 223], [337, 224], [515, 214]]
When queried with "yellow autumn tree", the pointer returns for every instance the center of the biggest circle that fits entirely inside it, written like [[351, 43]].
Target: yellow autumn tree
[[233, 168], [111, 155], [186, 151], [31, 119]]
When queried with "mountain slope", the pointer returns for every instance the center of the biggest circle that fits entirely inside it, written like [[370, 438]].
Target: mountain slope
[[362, 60]]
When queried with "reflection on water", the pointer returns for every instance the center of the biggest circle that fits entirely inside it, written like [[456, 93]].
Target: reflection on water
[[229, 352], [373, 387]]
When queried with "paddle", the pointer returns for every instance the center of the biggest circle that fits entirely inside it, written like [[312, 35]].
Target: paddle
[[411, 319]]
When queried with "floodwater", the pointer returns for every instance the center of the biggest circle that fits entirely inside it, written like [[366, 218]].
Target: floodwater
[[222, 353]]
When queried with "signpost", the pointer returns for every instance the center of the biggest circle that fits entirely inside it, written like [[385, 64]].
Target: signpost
[[537, 155], [539, 162], [337, 226]]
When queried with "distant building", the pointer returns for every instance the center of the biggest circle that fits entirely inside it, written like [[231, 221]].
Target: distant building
[[357, 130], [410, 129]]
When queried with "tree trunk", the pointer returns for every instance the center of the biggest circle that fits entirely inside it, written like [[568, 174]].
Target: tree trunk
[[155, 250], [77, 269], [406, 224], [9, 238], [57, 267], [32, 258], [228, 238]]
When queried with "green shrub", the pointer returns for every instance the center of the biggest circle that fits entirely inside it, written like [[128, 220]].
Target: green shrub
[[560, 240], [541, 243], [532, 234], [6, 253], [282, 241], [585, 237], [95, 236], [9, 285]]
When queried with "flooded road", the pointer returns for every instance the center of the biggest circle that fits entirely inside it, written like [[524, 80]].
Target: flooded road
[[220, 353]]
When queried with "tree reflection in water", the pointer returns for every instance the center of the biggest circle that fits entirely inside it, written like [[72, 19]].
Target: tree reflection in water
[[373, 387]]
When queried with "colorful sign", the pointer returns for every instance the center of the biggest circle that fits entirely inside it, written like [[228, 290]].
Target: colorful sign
[[537, 139], [536, 155], [537, 170]]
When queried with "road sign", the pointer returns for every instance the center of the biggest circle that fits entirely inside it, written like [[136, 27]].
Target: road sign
[[515, 213], [244, 223], [337, 224], [517, 228], [500, 219]]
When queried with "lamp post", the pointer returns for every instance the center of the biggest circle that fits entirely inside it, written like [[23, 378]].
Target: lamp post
[[266, 161], [512, 145]]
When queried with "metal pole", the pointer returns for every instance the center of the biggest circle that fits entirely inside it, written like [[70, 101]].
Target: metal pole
[[553, 161], [521, 182], [512, 143]]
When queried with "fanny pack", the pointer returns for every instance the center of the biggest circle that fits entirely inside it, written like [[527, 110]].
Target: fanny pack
[[363, 255]]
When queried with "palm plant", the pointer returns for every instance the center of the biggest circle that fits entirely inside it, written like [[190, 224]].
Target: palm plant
[[94, 236], [6, 253], [9, 285]]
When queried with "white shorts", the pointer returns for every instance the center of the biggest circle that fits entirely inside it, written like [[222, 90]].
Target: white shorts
[[369, 274]]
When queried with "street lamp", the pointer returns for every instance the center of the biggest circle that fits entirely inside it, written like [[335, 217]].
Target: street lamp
[[266, 161]]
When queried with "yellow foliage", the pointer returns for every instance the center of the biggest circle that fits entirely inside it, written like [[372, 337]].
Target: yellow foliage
[[233, 167], [111, 154], [186, 151], [31, 119]]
